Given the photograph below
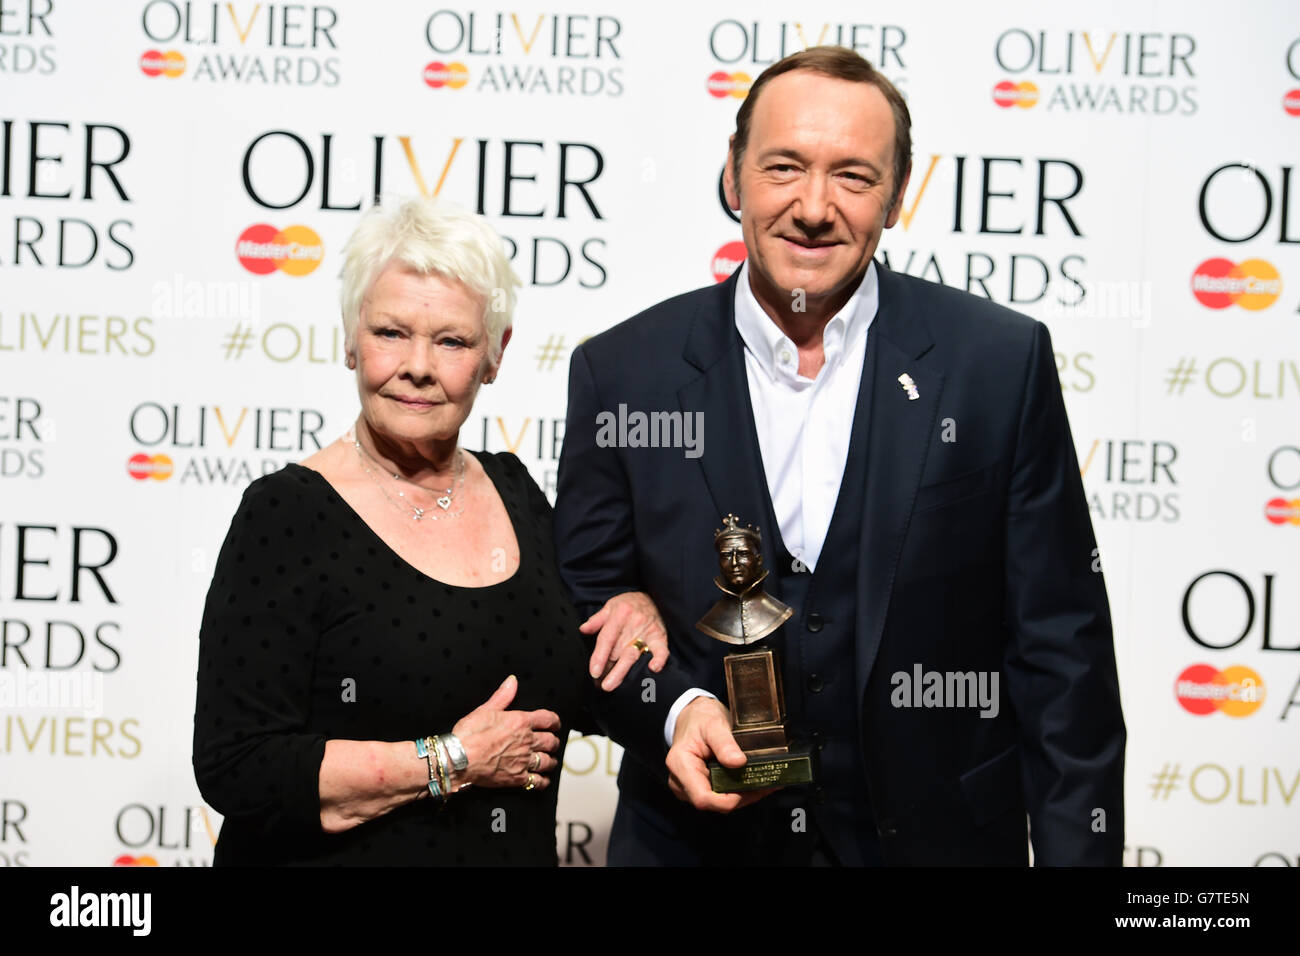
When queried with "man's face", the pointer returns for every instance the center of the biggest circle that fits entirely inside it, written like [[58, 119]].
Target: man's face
[[738, 561], [815, 185]]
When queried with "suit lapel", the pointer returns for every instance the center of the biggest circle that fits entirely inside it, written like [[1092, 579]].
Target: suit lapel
[[732, 462], [899, 435]]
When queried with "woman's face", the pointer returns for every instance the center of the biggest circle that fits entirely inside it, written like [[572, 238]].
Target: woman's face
[[421, 353]]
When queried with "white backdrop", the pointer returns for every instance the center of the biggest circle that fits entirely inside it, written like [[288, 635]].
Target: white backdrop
[[1121, 171]]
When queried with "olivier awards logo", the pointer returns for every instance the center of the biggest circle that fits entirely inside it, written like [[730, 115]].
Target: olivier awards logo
[[740, 49], [544, 213], [254, 44], [556, 54], [1097, 72], [214, 444], [27, 38], [80, 171]]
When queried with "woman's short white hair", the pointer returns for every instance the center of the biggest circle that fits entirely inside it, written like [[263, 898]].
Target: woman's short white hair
[[429, 236]]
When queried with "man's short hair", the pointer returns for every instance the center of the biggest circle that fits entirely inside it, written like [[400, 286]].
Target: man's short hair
[[841, 63], [429, 237]]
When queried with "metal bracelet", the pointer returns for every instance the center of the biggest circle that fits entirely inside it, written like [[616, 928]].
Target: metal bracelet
[[424, 747], [455, 750], [443, 773]]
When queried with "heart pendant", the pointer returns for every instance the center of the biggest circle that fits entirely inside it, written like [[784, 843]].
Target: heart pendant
[[444, 502]]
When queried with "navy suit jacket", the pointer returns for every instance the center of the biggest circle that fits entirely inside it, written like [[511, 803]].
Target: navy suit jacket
[[976, 553]]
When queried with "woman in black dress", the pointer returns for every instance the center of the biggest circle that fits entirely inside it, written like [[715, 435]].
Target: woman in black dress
[[388, 662]]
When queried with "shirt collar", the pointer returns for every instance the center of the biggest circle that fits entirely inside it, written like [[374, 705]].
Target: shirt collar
[[776, 353]]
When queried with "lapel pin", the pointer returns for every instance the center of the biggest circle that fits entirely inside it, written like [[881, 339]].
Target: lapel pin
[[909, 386]]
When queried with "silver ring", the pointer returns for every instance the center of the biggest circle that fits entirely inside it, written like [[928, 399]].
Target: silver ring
[[536, 762]]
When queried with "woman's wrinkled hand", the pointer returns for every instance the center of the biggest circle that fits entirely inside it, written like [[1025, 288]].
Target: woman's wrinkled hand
[[508, 748]]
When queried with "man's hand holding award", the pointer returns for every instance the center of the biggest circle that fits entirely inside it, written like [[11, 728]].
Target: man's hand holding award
[[744, 616]]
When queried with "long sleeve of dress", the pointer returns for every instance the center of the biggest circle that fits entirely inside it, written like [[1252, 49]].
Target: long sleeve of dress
[[540, 509], [254, 759]]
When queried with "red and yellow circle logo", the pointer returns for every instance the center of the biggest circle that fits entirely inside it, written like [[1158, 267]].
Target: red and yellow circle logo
[[727, 260], [1023, 94], [127, 860], [157, 63], [1281, 511], [141, 467], [295, 251], [722, 84], [1235, 691], [1254, 284], [451, 75], [1291, 102]]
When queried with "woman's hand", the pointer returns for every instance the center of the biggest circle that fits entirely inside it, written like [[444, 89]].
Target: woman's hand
[[624, 620], [364, 779], [508, 748]]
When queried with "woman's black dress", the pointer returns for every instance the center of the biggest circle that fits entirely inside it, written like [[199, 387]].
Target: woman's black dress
[[315, 629]]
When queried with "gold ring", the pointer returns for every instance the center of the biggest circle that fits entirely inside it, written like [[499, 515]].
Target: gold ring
[[536, 762], [641, 646], [531, 784]]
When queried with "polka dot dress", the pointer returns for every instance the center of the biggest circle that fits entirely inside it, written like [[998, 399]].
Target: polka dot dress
[[314, 629]]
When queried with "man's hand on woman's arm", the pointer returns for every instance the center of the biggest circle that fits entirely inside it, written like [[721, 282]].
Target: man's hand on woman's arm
[[624, 620]]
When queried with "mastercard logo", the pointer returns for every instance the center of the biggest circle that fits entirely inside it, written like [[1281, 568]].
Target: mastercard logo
[[727, 260], [1235, 691], [1253, 284], [1281, 511], [295, 251], [157, 467], [157, 63], [1291, 102], [128, 860], [452, 75], [722, 85], [1023, 94]]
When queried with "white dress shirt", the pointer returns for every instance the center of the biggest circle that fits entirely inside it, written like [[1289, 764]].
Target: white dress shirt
[[803, 424]]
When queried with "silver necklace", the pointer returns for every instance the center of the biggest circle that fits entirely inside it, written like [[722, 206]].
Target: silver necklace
[[445, 496]]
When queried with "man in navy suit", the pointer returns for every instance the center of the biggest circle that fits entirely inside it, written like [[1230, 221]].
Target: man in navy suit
[[903, 449]]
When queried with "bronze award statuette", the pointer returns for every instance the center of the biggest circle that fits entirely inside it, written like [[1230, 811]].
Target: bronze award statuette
[[744, 616]]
